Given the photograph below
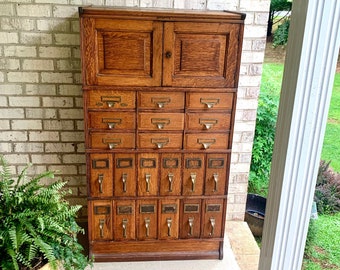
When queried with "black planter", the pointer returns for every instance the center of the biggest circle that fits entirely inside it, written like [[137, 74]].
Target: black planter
[[255, 213]]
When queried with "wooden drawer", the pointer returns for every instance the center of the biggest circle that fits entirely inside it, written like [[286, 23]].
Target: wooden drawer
[[163, 100], [109, 141], [148, 168], [208, 121], [168, 219], [147, 219], [206, 141], [193, 174], [101, 175], [216, 174], [160, 121], [110, 99], [171, 180], [112, 120], [160, 140], [210, 101], [213, 210], [190, 220], [124, 220], [101, 216], [124, 175]]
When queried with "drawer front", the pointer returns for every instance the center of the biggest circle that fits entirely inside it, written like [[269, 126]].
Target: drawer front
[[109, 141], [210, 101], [208, 121], [193, 174], [190, 221], [160, 140], [170, 183], [169, 218], [160, 121], [206, 141], [124, 220], [110, 99], [101, 215], [213, 218], [147, 219], [216, 174], [112, 120], [163, 100], [148, 165], [125, 175], [101, 175]]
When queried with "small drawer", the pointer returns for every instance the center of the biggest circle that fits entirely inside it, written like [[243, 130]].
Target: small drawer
[[163, 121], [205, 141], [111, 141], [110, 99], [210, 101], [160, 140], [162, 100], [112, 120], [208, 121]]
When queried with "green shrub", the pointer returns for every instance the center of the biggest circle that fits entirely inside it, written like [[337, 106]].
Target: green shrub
[[37, 224], [281, 34], [263, 144]]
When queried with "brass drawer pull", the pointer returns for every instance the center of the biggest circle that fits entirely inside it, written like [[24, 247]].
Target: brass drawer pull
[[147, 227], [161, 102], [100, 181], [112, 143], [215, 181], [193, 181], [209, 102], [111, 100], [160, 142], [124, 179], [160, 122], [124, 225], [212, 224], [101, 228], [206, 143], [147, 180], [171, 178], [208, 123], [169, 223], [191, 225], [112, 122]]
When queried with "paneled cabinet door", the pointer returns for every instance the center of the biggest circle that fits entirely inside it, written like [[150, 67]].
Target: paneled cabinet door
[[101, 216], [124, 175], [200, 54], [122, 52], [101, 175], [124, 220], [147, 219]]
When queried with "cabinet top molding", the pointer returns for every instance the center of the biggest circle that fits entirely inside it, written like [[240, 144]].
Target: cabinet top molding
[[163, 14]]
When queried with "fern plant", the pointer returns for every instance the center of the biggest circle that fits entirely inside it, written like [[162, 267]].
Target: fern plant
[[37, 224]]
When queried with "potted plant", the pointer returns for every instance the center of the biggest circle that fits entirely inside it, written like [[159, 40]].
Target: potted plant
[[38, 225]]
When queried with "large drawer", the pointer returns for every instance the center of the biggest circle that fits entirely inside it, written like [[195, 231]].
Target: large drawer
[[208, 121], [110, 99], [160, 140], [160, 121], [112, 120], [162, 100], [206, 141], [109, 141], [210, 101]]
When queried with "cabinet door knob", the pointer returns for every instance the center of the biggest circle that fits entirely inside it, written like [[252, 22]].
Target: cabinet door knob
[[168, 54]]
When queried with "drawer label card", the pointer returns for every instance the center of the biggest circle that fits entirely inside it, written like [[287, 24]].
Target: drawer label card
[[102, 210], [191, 208], [124, 209], [216, 163], [147, 209], [213, 208], [193, 163], [100, 164], [169, 208], [124, 163], [170, 163], [148, 163]]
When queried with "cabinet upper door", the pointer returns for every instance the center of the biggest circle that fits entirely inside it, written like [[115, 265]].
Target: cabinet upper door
[[121, 52], [201, 54]]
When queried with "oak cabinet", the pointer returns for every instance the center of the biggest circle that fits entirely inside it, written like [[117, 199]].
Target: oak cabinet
[[159, 90]]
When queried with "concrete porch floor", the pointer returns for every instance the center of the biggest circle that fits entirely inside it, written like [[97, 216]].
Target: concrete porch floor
[[240, 253]]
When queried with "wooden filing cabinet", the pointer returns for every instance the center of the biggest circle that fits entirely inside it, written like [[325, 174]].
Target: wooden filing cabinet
[[159, 91]]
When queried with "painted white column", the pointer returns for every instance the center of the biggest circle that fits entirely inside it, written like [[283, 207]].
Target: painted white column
[[312, 51]]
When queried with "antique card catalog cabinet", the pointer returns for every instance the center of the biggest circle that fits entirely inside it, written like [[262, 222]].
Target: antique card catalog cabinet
[[159, 99]]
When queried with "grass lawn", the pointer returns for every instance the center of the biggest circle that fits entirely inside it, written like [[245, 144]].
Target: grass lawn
[[271, 84]]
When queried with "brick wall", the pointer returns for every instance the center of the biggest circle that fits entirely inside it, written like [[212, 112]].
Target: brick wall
[[41, 116]]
